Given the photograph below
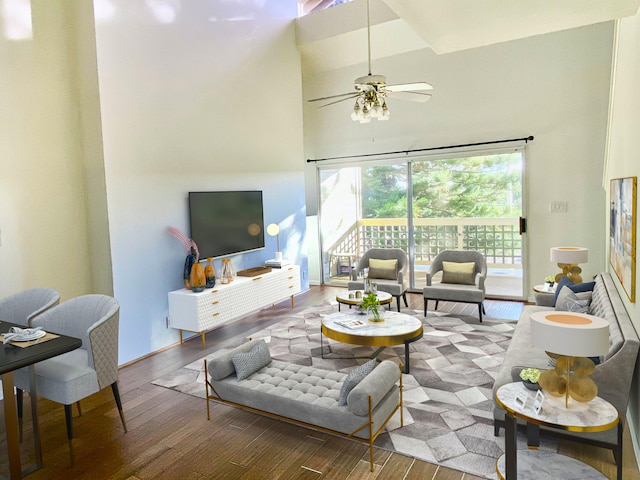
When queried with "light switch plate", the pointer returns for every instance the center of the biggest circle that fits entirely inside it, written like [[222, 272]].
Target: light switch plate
[[558, 207]]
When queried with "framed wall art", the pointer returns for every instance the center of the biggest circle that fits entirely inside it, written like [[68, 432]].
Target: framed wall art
[[622, 232]]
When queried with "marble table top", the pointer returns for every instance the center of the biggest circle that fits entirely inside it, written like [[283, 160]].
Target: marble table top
[[593, 416]]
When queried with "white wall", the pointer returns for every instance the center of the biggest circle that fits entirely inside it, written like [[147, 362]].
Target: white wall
[[554, 87], [622, 161], [194, 96], [44, 210]]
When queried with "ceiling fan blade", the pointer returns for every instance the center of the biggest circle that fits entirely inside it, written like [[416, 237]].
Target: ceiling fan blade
[[411, 96], [409, 87], [350, 94], [341, 100]]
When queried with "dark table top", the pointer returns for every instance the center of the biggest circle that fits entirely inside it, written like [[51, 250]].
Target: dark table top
[[13, 357]]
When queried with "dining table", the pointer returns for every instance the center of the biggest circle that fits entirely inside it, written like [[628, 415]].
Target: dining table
[[15, 355]]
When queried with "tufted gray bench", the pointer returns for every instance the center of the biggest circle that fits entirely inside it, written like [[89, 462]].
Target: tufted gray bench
[[309, 396]]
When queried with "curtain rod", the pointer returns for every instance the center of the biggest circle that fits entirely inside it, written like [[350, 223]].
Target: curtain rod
[[406, 152]]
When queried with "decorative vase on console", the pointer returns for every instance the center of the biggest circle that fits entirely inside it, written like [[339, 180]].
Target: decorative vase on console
[[227, 271], [189, 262], [197, 278], [210, 274]]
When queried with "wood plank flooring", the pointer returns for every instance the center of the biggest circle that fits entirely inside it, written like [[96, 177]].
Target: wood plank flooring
[[169, 436]]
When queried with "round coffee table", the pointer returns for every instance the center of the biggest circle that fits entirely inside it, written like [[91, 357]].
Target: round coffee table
[[396, 329], [350, 298]]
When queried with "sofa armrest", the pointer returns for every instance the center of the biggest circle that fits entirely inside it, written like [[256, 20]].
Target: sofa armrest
[[220, 365], [544, 299], [377, 384]]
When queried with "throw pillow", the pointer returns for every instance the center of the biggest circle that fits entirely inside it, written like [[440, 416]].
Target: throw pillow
[[564, 281], [354, 378], [582, 287], [463, 273], [384, 269], [570, 302], [252, 361]]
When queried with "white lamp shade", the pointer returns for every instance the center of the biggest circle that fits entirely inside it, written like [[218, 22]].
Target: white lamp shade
[[569, 255], [570, 334]]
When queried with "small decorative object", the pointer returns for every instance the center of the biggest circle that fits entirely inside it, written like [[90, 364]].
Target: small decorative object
[[358, 294], [550, 280], [197, 278], [193, 256], [189, 262], [210, 273], [530, 378], [370, 303], [227, 271]]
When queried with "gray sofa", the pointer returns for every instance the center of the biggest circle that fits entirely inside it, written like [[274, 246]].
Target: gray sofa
[[309, 396], [613, 375]]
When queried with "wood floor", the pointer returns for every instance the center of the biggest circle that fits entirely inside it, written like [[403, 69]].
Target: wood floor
[[169, 436]]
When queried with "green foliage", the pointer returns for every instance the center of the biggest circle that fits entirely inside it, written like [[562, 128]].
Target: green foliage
[[480, 186]]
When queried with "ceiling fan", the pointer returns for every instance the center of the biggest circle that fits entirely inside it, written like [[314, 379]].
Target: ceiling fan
[[371, 91]]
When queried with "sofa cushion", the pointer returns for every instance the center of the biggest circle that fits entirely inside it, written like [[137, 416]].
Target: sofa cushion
[[459, 272], [252, 361], [386, 269], [354, 378]]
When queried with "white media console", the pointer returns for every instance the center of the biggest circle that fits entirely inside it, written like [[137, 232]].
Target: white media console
[[198, 312]]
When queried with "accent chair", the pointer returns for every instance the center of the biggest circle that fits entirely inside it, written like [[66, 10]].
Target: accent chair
[[463, 276]]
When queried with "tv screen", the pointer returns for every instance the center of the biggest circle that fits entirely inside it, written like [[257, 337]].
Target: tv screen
[[223, 223]]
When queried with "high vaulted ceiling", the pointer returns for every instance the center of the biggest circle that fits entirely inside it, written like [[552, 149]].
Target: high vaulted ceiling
[[336, 37]]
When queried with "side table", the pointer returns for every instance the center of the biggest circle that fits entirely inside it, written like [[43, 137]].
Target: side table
[[545, 288], [594, 416]]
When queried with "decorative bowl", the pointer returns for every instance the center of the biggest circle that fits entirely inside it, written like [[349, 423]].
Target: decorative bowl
[[531, 385]]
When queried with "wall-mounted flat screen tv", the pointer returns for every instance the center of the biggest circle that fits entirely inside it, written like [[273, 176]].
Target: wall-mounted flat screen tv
[[223, 223]]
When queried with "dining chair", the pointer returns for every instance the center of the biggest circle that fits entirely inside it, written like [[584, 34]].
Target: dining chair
[[75, 375], [22, 307]]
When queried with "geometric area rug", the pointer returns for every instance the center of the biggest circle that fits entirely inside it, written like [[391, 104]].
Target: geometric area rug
[[448, 403]]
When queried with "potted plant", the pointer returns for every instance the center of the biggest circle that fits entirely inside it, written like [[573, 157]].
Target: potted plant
[[370, 303], [550, 279], [530, 378]]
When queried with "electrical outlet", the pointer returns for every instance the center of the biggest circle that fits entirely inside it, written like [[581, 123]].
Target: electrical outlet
[[558, 207]]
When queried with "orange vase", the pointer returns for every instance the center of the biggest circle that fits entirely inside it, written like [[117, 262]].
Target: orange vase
[[197, 278]]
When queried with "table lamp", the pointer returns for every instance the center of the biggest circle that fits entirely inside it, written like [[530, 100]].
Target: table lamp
[[567, 259], [570, 338], [274, 230]]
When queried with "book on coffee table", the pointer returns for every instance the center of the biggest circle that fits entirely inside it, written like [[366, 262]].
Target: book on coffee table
[[353, 324]]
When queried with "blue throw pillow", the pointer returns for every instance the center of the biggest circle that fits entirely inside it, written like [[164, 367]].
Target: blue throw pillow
[[563, 281], [354, 378], [582, 287]]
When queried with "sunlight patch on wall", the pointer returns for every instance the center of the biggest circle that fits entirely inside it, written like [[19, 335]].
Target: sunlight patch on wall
[[16, 19], [164, 11]]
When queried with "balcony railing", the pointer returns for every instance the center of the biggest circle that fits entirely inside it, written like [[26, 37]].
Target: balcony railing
[[498, 239]]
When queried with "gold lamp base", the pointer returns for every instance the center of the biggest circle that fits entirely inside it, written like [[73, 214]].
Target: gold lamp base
[[570, 270], [570, 378]]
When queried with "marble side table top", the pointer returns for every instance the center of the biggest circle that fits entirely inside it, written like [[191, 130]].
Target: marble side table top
[[593, 416]]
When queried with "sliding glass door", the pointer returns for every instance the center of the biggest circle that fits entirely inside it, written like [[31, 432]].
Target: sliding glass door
[[424, 205]]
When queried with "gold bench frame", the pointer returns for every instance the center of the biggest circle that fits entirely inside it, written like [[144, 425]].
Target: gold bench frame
[[368, 424]]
